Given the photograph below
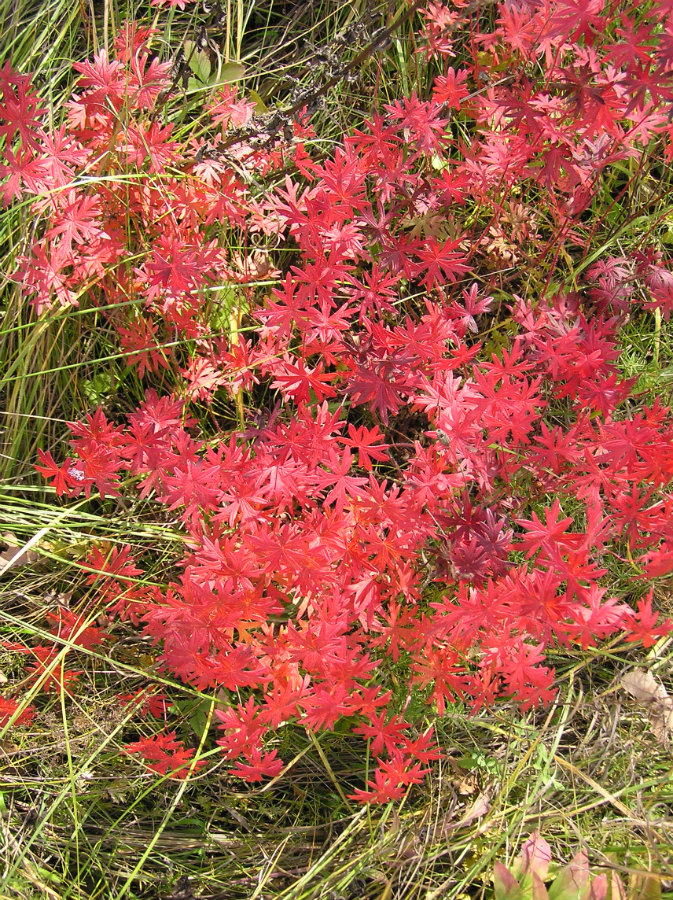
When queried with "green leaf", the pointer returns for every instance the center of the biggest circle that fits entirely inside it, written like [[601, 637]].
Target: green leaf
[[260, 105], [199, 718], [198, 60], [505, 884], [229, 72], [98, 388], [643, 886], [572, 882]]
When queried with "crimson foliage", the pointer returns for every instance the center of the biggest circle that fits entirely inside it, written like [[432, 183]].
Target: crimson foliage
[[449, 457]]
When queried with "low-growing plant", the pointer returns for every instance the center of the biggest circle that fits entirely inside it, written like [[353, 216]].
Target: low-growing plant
[[534, 866], [383, 404], [535, 874]]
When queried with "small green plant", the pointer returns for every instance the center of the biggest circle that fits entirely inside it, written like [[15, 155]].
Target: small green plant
[[526, 878]]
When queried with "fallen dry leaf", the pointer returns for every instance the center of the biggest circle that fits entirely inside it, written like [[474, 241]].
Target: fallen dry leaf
[[479, 808], [644, 687], [15, 555], [467, 785]]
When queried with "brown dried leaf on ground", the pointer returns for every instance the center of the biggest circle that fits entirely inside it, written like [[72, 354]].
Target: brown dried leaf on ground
[[644, 687], [15, 555]]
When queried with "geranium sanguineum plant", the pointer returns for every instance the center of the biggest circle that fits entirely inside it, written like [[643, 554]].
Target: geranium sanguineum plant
[[448, 457]]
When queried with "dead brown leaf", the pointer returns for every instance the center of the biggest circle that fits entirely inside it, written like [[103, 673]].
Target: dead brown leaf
[[15, 554], [477, 810], [467, 785], [650, 693]]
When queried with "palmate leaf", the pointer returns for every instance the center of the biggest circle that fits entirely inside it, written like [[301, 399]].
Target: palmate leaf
[[311, 557]]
